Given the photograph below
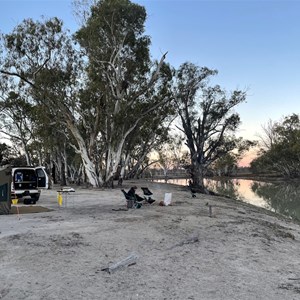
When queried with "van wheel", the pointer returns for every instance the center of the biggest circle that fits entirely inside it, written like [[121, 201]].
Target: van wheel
[[5, 208]]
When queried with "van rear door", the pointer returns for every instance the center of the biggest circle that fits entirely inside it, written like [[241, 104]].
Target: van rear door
[[42, 178]]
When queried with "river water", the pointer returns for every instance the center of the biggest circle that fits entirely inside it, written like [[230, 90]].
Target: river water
[[282, 198]]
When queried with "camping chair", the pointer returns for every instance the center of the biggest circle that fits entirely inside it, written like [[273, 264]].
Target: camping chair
[[131, 201], [147, 195]]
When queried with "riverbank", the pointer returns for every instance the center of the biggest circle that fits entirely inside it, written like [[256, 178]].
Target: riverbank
[[272, 177], [182, 251]]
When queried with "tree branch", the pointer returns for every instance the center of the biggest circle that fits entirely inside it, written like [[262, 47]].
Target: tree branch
[[19, 76]]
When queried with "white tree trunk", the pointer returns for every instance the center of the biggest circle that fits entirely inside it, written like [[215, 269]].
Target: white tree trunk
[[65, 164], [114, 157], [125, 164], [89, 166], [27, 156]]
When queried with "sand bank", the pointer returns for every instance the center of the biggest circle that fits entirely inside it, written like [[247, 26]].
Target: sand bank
[[180, 251]]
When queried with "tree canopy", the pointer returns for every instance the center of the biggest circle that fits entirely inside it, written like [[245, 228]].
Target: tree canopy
[[283, 152], [98, 92], [207, 116], [93, 105]]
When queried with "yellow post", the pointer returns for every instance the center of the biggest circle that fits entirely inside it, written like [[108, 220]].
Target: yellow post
[[59, 198], [15, 202]]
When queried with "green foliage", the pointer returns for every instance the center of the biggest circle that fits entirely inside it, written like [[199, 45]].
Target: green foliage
[[95, 98], [225, 165], [283, 156], [17, 122], [121, 78], [207, 117], [171, 154], [99, 95], [114, 35], [5, 153]]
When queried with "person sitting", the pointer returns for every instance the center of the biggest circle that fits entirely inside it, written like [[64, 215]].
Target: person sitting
[[132, 193]]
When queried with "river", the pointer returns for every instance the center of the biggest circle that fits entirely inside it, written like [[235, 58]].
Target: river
[[282, 198]]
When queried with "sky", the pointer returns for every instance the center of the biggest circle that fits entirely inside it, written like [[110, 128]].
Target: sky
[[254, 45]]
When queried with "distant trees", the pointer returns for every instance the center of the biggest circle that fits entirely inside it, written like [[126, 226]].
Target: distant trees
[[172, 155], [282, 154], [227, 165], [207, 118], [268, 136]]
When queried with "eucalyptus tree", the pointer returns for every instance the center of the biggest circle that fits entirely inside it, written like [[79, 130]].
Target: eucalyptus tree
[[43, 60], [283, 154], [207, 118], [268, 137], [82, 10], [124, 80], [101, 104], [6, 154], [51, 145], [227, 165], [16, 122], [147, 138]]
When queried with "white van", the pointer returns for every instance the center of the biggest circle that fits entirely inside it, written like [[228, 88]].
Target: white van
[[27, 183]]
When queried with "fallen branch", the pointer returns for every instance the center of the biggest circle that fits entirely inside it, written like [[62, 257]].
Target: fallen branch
[[120, 209], [126, 262]]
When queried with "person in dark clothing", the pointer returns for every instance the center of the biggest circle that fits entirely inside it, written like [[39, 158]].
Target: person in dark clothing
[[132, 192]]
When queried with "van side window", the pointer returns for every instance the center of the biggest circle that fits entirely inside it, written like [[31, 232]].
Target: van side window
[[40, 173], [19, 177]]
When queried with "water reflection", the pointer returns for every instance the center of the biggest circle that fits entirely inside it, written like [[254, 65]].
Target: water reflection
[[225, 187], [283, 198]]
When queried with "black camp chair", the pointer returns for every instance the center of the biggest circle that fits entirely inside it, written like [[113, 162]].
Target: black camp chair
[[131, 200], [147, 195]]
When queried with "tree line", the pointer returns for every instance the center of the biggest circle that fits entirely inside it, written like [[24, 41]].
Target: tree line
[[280, 151], [94, 105]]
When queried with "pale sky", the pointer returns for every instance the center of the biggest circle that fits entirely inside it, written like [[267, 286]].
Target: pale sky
[[255, 45]]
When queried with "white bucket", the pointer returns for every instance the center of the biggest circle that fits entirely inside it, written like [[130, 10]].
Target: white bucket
[[168, 199]]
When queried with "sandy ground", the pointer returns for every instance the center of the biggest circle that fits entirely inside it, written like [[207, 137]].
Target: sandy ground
[[240, 252]]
